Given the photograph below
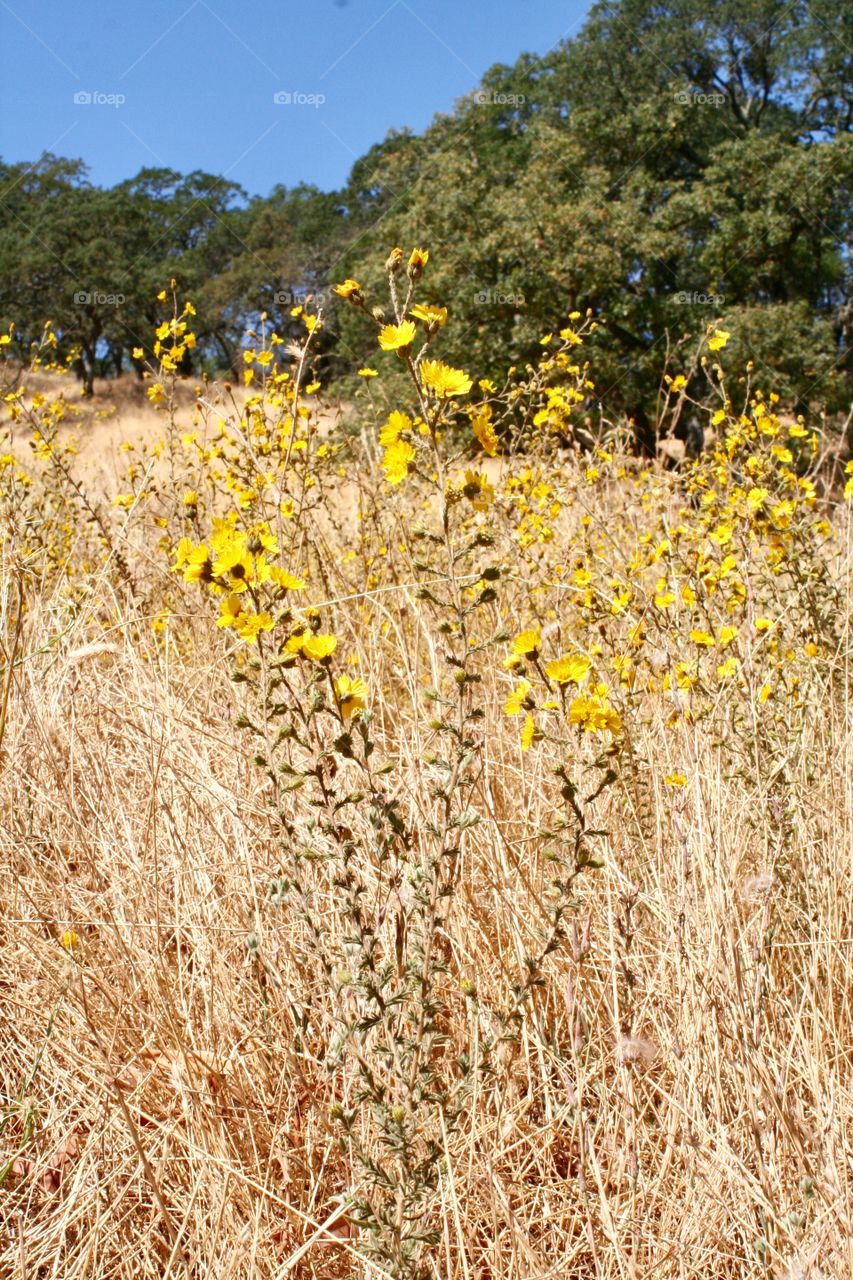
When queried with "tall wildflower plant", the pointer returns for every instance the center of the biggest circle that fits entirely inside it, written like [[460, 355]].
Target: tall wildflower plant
[[370, 874]]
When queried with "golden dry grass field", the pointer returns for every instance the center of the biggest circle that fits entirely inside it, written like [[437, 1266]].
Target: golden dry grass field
[[455, 880]]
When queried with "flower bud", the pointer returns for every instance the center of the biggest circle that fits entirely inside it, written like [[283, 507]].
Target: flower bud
[[417, 262]]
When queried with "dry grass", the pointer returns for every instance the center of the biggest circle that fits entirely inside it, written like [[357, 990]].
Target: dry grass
[[679, 1104]]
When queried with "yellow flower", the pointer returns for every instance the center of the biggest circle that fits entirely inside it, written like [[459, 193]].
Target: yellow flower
[[396, 424], [156, 394], [295, 642], [718, 340], [593, 712], [572, 668], [675, 780], [350, 290], [478, 491], [481, 425], [418, 259], [515, 701], [69, 940], [445, 381], [433, 317], [755, 499], [350, 695], [721, 535], [396, 461], [367, 374], [250, 625], [527, 642], [702, 638], [235, 563], [286, 580], [319, 647], [528, 733], [727, 668], [198, 567], [727, 635], [397, 337], [230, 610]]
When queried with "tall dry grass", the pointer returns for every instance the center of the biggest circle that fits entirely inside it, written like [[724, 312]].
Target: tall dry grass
[[679, 1103]]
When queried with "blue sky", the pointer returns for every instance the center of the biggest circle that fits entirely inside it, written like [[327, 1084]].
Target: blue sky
[[191, 84]]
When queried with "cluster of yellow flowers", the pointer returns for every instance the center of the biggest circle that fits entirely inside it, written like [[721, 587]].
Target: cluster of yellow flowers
[[706, 584]]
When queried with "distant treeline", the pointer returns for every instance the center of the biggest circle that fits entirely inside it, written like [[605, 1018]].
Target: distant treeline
[[675, 163]]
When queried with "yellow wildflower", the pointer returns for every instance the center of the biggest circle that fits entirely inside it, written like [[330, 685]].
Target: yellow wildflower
[[515, 701], [350, 695], [350, 290], [319, 647], [434, 318], [397, 423], [397, 337], [594, 713], [418, 259], [528, 733], [572, 668], [396, 461], [250, 625], [443, 380], [524, 645], [481, 425]]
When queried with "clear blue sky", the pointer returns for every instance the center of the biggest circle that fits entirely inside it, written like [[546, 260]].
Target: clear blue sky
[[190, 84]]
